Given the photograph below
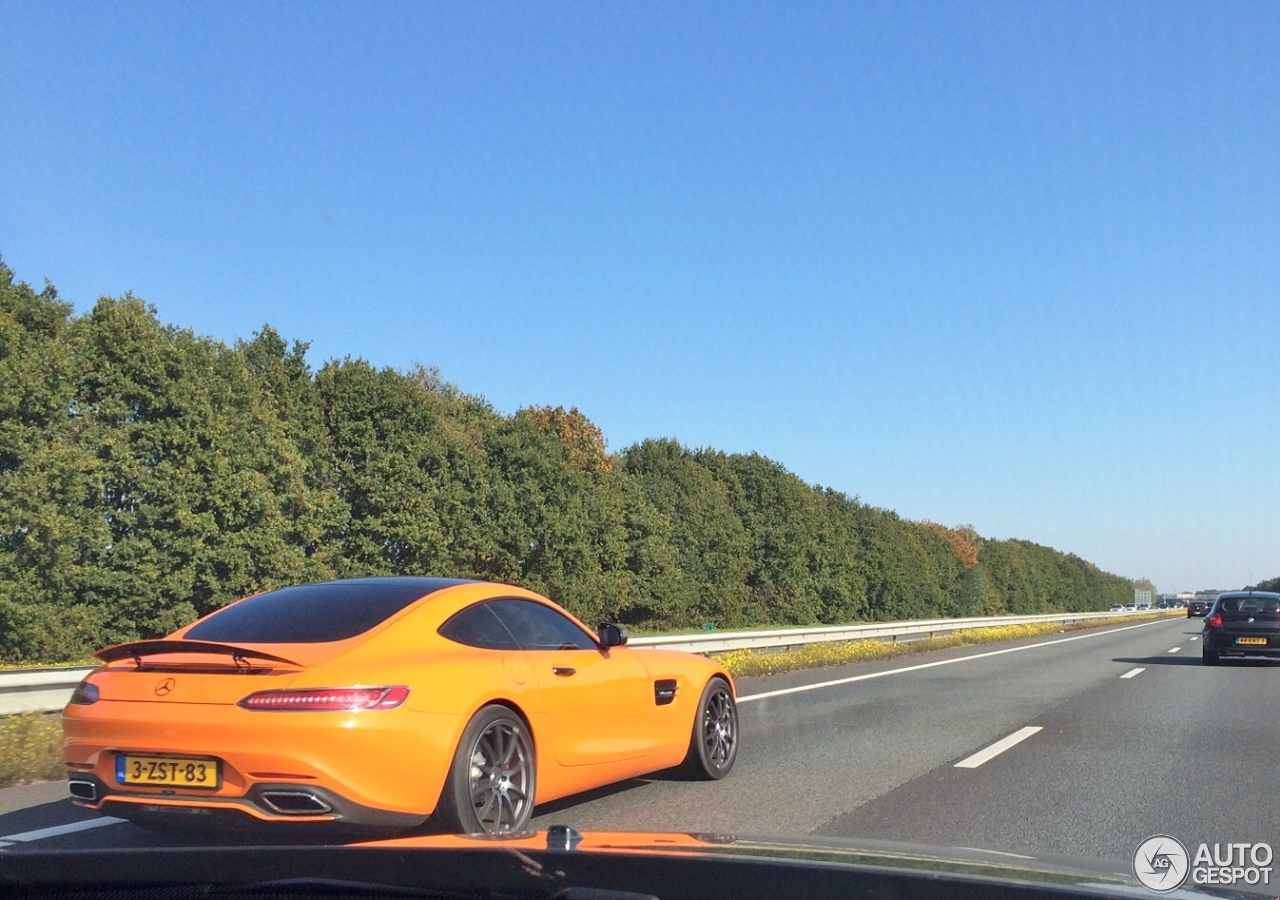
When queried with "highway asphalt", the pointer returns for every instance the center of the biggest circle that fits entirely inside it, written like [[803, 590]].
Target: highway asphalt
[[1080, 744]]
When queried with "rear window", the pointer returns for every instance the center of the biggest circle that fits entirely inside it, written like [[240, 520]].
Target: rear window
[[1248, 605], [314, 613]]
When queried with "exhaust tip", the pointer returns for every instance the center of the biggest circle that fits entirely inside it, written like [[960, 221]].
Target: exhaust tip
[[295, 803], [83, 790]]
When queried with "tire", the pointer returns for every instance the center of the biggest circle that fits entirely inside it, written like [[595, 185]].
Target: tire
[[713, 745], [1209, 658], [493, 779]]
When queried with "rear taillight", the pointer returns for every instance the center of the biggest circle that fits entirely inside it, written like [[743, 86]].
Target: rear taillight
[[84, 694], [1214, 621], [349, 699]]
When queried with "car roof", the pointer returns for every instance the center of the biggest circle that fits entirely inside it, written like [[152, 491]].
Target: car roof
[[1270, 595], [322, 612], [426, 584]]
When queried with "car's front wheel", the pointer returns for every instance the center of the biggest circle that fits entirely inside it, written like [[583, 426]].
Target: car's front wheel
[[493, 777], [713, 746]]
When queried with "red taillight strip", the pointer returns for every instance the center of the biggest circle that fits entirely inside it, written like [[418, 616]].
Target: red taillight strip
[[348, 699]]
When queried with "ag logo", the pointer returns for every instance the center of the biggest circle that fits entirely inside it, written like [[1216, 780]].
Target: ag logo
[[165, 687], [1161, 863]]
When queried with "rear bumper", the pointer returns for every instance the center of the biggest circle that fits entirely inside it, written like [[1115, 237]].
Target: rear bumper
[[1225, 644], [381, 768], [297, 804]]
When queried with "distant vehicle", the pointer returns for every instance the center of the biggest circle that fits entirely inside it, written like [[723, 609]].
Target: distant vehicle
[[1116, 607], [1242, 623], [1130, 608], [1198, 608], [1143, 606]]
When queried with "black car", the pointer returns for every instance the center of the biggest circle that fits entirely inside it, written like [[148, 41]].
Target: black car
[[1242, 623], [1198, 608]]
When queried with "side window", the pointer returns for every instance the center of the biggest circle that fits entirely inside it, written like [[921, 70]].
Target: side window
[[477, 626], [539, 627]]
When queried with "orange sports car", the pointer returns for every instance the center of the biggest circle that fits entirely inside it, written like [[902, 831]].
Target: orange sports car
[[386, 702]]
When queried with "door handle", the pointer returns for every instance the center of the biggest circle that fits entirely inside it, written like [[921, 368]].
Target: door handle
[[563, 670]]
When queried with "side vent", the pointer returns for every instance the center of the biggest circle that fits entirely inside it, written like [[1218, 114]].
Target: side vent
[[664, 691]]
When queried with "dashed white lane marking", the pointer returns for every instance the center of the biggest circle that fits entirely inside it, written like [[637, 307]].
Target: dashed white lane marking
[[1196, 638], [1133, 672], [799, 689], [41, 834], [997, 748], [1174, 649]]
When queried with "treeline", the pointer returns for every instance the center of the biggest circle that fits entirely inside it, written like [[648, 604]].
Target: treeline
[[149, 475]]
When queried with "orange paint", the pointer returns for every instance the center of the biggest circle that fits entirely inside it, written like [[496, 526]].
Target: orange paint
[[592, 714]]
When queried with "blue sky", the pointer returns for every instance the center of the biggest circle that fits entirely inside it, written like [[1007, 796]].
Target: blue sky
[[1008, 264]]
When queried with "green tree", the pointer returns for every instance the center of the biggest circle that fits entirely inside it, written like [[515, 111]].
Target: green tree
[[148, 475], [205, 490], [48, 483], [712, 548], [408, 463]]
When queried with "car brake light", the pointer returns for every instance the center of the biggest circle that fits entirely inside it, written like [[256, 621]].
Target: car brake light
[[85, 694], [349, 699], [1214, 621]]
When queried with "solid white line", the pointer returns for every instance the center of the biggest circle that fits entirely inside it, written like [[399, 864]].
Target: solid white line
[[1132, 672], [997, 853], [1174, 649], [942, 662], [998, 747], [71, 828]]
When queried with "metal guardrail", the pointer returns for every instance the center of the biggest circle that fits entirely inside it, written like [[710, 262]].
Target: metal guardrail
[[38, 690], [48, 689], [720, 641]]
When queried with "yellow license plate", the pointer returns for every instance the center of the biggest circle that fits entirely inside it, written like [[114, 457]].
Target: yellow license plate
[[172, 771], [1252, 642]]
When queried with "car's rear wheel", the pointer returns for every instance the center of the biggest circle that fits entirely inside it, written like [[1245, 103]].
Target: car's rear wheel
[[713, 746], [1209, 658], [493, 778]]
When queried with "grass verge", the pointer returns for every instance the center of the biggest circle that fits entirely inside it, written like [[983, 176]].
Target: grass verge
[[30, 748], [59, 665], [744, 663]]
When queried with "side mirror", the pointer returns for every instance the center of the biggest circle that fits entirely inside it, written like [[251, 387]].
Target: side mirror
[[612, 635]]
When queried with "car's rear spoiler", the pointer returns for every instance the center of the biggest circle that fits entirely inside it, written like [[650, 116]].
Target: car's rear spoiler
[[136, 650]]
